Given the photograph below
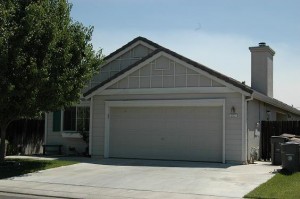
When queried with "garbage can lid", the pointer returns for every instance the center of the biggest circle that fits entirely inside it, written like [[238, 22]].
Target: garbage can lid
[[291, 143], [296, 140], [287, 135]]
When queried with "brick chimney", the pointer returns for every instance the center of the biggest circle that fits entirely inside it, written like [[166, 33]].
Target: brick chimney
[[262, 69]]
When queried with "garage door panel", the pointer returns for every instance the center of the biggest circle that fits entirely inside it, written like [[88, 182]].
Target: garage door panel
[[173, 133]]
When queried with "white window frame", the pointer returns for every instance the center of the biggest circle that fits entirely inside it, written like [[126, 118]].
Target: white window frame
[[63, 115]]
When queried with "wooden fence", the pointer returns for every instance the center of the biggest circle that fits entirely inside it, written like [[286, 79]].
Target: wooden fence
[[275, 128], [25, 137]]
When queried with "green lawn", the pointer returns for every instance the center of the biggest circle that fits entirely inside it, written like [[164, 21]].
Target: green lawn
[[280, 186], [16, 167]]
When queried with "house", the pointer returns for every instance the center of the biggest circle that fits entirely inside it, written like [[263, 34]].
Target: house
[[149, 102]]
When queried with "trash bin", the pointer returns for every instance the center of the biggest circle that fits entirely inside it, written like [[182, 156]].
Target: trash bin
[[290, 156], [295, 139], [276, 142], [287, 135]]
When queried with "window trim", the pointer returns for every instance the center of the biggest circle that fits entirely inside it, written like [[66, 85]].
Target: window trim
[[63, 115]]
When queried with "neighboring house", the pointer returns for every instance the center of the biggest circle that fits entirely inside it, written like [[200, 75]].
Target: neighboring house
[[149, 102]]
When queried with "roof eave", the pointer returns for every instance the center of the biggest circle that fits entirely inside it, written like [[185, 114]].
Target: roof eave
[[275, 102]]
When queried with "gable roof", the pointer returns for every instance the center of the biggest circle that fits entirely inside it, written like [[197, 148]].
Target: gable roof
[[197, 65], [172, 53], [151, 43]]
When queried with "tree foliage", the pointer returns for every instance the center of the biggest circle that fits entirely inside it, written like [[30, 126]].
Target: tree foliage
[[46, 58]]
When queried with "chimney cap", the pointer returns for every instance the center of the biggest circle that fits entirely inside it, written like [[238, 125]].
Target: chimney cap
[[262, 47], [262, 44]]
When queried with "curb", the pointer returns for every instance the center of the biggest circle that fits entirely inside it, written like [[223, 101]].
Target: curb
[[38, 195]]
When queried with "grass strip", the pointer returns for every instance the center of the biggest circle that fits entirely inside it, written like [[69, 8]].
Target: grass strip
[[282, 185], [15, 167]]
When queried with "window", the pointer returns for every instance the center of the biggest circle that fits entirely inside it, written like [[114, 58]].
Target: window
[[70, 119], [76, 119], [83, 119]]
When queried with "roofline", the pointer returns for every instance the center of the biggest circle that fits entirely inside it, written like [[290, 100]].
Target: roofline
[[275, 102], [182, 58], [137, 39], [210, 71], [90, 91], [257, 95]]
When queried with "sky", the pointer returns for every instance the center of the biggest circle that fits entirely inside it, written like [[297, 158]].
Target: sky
[[215, 33]]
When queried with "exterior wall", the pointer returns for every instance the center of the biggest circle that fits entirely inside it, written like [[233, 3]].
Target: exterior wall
[[119, 64], [56, 138], [259, 111], [233, 126], [164, 73], [254, 116]]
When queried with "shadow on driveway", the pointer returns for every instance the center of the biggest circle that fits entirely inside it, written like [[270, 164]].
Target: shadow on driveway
[[133, 162]]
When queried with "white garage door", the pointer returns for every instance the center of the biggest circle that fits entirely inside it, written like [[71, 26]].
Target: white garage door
[[171, 133]]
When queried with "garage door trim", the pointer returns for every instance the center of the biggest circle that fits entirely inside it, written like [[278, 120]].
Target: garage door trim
[[160, 103]]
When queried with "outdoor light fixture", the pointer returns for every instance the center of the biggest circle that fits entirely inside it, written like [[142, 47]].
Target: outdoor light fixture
[[268, 115], [257, 131], [232, 112], [257, 124]]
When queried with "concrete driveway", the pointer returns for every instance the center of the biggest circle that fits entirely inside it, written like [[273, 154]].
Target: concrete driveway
[[121, 178]]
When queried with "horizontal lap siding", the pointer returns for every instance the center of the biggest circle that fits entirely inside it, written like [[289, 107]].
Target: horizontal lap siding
[[257, 112], [52, 137], [56, 138], [98, 126], [233, 125]]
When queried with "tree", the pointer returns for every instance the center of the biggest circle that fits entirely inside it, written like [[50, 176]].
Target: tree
[[46, 59]]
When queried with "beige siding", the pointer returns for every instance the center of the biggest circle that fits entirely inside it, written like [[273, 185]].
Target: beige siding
[[98, 127], [56, 138], [164, 73], [233, 125], [253, 131], [119, 64], [257, 112]]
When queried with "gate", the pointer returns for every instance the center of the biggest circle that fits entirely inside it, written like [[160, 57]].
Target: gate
[[275, 128]]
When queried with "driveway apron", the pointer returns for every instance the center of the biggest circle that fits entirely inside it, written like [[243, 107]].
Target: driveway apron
[[125, 178]]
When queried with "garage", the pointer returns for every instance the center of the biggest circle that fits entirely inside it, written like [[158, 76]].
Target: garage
[[188, 132]]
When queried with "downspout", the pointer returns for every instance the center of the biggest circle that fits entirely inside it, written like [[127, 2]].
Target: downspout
[[247, 99]]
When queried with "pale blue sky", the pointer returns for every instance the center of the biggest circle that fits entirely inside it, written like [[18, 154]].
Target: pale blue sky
[[216, 33]]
